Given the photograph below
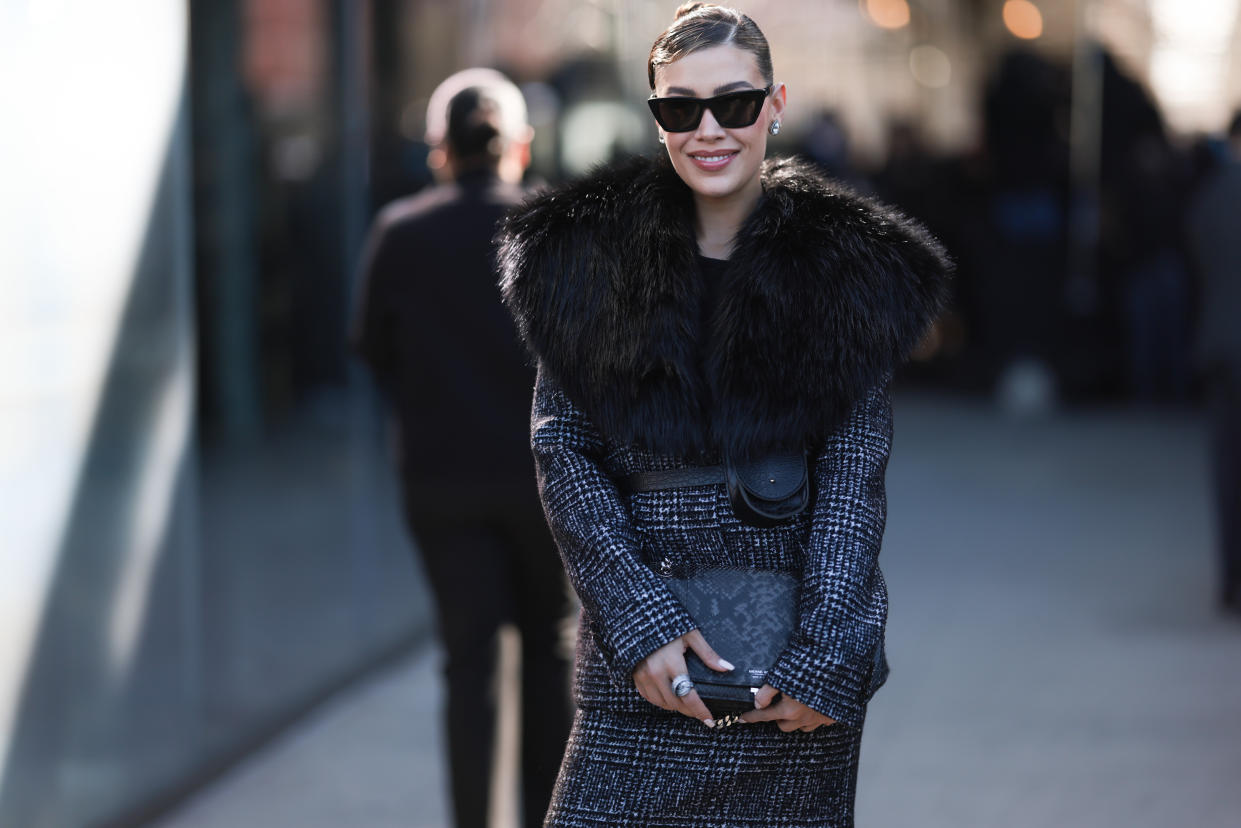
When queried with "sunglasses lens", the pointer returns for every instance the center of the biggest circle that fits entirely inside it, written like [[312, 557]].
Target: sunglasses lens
[[679, 114], [736, 111]]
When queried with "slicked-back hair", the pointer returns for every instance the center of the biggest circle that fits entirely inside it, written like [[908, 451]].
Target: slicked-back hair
[[700, 26]]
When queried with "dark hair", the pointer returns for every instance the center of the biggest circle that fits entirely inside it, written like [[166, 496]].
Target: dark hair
[[474, 129], [702, 25]]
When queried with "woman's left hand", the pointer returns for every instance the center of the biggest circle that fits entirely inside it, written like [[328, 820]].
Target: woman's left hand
[[789, 714]]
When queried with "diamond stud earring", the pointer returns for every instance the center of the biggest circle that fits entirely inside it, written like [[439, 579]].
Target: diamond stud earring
[[774, 129]]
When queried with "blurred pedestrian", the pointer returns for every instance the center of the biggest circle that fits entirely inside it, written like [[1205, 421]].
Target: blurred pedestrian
[[694, 315], [430, 324], [1142, 188], [1019, 244], [1214, 235], [826, 144]]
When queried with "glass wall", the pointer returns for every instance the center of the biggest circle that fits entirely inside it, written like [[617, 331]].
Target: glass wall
[[201, 534]]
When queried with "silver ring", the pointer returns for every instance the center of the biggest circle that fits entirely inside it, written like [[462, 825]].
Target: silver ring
[[682, 686]]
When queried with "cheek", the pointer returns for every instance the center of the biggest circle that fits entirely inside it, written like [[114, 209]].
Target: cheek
[[756, 142], [756, 135], [675, 141]]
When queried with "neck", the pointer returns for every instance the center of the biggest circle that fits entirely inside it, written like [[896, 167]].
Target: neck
[[719, 219], [510, 167]]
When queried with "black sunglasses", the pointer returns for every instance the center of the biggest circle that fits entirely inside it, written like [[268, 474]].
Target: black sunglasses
[[732, 110]]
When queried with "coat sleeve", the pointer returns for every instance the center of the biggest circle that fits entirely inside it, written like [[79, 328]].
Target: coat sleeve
[[631, 613], [843, 606]]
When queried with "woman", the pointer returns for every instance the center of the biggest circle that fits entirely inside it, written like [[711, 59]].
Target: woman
[[704, 306]]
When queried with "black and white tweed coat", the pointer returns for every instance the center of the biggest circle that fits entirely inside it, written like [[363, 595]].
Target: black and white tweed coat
[[824, 293]]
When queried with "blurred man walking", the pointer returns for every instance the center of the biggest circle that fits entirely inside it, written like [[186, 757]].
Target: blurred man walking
[[1214, 233], [430, 324]]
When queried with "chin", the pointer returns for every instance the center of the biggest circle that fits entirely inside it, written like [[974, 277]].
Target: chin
[[715, 189], [713, 186]]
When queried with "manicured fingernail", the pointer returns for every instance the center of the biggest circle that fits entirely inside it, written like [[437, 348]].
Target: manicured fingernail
[[726, 665], [709, 722]]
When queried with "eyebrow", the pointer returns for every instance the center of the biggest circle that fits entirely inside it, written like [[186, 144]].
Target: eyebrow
[[719, 90]]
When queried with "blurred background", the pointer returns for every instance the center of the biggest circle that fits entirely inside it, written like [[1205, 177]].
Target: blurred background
[[199, 533]]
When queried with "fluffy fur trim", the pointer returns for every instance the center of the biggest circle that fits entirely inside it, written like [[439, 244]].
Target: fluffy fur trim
[[824, 293]]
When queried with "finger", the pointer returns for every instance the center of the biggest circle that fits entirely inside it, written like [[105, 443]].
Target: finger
[[650, 688], [709, 656], [657, 673], [765, 696], [671, 669], [775, 711], [662, 687], [769, 714], [692, 705], [789, 719], [640, 684]]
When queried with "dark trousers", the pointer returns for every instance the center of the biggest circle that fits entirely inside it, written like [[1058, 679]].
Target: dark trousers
[[1226, 455], [485, 572]]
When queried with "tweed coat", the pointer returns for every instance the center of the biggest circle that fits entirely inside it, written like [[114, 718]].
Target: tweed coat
[[825, 292]]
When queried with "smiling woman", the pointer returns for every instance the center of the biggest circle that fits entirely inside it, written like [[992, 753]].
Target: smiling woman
[[693, 315], [716, 149], [719, 161]]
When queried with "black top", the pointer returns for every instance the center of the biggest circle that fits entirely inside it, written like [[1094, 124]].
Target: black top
[[712, 276]]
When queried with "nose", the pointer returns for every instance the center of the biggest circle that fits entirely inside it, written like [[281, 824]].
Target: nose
[[708, 127]]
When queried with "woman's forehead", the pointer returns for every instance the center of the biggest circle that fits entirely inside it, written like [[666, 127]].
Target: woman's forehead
[[709, 71]]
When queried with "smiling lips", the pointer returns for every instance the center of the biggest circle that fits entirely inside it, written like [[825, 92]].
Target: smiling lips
[[714, 160]]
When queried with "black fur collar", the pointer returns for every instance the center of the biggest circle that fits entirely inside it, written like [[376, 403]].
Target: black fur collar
[[824, 293]]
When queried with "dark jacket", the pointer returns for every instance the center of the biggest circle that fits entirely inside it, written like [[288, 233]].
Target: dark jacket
[[429, 324], [824, 293], [1214, 233]]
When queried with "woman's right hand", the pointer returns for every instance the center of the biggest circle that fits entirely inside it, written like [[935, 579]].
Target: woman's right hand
[[653, 677]]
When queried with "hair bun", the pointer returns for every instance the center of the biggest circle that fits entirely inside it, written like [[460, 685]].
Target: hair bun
[[690, 8]]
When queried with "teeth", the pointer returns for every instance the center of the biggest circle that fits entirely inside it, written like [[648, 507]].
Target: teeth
[[712, 157]]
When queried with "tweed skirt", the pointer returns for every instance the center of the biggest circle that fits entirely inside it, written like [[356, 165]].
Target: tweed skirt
[[665, 769]]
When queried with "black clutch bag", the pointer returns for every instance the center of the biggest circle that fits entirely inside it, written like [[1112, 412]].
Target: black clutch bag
[[747, 616]]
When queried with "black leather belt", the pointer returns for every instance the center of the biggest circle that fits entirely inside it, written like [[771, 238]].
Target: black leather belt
[[655, 480]]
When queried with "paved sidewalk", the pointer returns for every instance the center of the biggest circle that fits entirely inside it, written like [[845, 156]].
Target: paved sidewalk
[[369, 759], [1056, 658]]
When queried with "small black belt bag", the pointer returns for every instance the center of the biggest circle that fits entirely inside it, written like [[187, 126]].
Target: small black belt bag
[[746, 615], [763, 492], [769, 490]]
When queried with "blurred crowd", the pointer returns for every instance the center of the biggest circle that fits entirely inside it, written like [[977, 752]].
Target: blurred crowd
[[1074, 261]]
